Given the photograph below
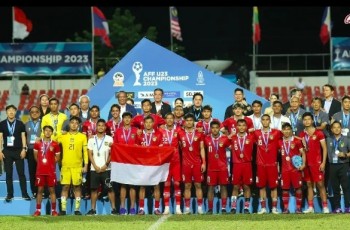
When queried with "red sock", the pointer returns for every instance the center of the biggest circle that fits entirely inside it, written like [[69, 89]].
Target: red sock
[[199, 202], [142, 203], [166, 195], [38, 206], [210, 204], [246, 203], [285, 198], [298, 196], [224, 202], [310, 203], [274, 203], [156, 204], [325, 204], [187, 203], [53, 206], [177, 191], [263, 203]]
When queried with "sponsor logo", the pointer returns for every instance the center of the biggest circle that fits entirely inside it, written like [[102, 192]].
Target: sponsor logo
[[189, 94], [118, 79]]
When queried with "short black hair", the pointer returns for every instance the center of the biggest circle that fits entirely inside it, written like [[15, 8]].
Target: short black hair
[[286, 125], [169, 114], [293, 92], [336, 122], [257, 102], [74, 104], [308, 114], [149, 117], [158, 89], [317, 99], [101, 120], [277, 102], [11, 106], [241, 121], [54, 99], [215, 122], [240, 90], [115, 106], [34, 106], [127, 113], [179, 99], [94, 107], [331, 87], [197, 94], [145, 100], [266, 115], [189, 115], [345, 97], [48, 127], [207, 107], [75, 118]]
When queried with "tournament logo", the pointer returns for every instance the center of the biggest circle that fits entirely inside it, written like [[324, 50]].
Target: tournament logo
[[200, 78], [137, 69], [118, 79]]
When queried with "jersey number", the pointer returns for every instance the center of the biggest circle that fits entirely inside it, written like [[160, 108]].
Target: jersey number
[[71, 146]]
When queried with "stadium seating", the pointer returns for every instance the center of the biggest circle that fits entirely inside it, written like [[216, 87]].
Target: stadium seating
[[259, 91]]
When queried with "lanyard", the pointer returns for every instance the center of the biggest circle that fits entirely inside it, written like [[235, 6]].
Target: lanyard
[[241, 145], [345, 120], [96, 141], [46, 146], [266, 139], [170, 138], [148, 141], [34, 126], [54, 122], [197, 115], [336, 143], [287, 148], [294, 118], [11, 128], [188, 139], [215, 142], [92, 125], [126, 137], [206, 126]]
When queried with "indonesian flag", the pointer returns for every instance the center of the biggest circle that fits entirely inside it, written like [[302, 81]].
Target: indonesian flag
[[325, 31], [22, 26], [140, 165]]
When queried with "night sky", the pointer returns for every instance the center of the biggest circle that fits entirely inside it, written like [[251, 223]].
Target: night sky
[[208, 32]]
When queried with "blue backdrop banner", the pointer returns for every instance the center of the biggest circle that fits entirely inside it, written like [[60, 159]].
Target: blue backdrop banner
[[148, 66], [341, 53], [59, 58]]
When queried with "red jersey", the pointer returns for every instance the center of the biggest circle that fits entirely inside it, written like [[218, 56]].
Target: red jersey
[[216, 152], [125, 136], [173, 136], [46, 162], [288, 150], [206, 125], [231, 124], [112, 126], [137, 121], [314, 149], [89, 128], [242, 148], [190, 145], [267, 146], [150, 139]]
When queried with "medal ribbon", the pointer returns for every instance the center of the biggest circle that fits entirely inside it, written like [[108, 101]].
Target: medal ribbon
[[287, 149], [148, 141], [46, 146], [241, 145], [266, 138], [170, 138], [96, 141], [188, 139], [126, 137], [215, 142]]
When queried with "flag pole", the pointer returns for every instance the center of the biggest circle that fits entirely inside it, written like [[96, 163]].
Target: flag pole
[[93, 46], [171, 36], [330, 40], [13, 21], [253, 26]]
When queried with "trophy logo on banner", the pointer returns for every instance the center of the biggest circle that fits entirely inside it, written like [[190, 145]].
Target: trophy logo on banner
[[200, 78], [337, 54], [118, 79], [137, 69]]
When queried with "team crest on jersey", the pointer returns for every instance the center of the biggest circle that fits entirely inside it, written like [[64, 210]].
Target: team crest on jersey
[[133, 136], [221, 144], [282, 152], [71, 140], [271, 137], [195, 138], [235, 146], [183, 143], [175, 134], [106, 143], [313, 137], [154, 138], [247, 142], [259, 142], [292, 146], [342, 144], [51, 148]]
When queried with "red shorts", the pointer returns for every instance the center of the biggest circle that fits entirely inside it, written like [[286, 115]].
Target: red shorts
[[312, 173], [192, 173], [174, 171], [217, 178], [45, 180], [293, 178], [267, 176], [242, 174]]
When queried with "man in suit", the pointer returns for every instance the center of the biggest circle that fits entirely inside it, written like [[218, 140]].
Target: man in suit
[[297, 92], [196, 108], [330, 104], [84, 103], [158, 106], [125, 107]]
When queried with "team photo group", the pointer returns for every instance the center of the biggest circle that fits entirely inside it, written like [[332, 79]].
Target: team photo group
[[279, 152]]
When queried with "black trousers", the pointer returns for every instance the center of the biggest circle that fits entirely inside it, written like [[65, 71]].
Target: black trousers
[[338, 177], [10, 157], [32, 170]]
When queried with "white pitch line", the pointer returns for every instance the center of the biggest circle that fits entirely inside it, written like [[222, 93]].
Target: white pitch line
[[156, 225]]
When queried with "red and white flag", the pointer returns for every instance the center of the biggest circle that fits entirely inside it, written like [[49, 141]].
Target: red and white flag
[[325, 32], [140, 165], [22, 26]]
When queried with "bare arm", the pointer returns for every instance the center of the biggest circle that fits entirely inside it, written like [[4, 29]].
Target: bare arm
[[2, 156], [204, 164], [324, 154], [24, 144]]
